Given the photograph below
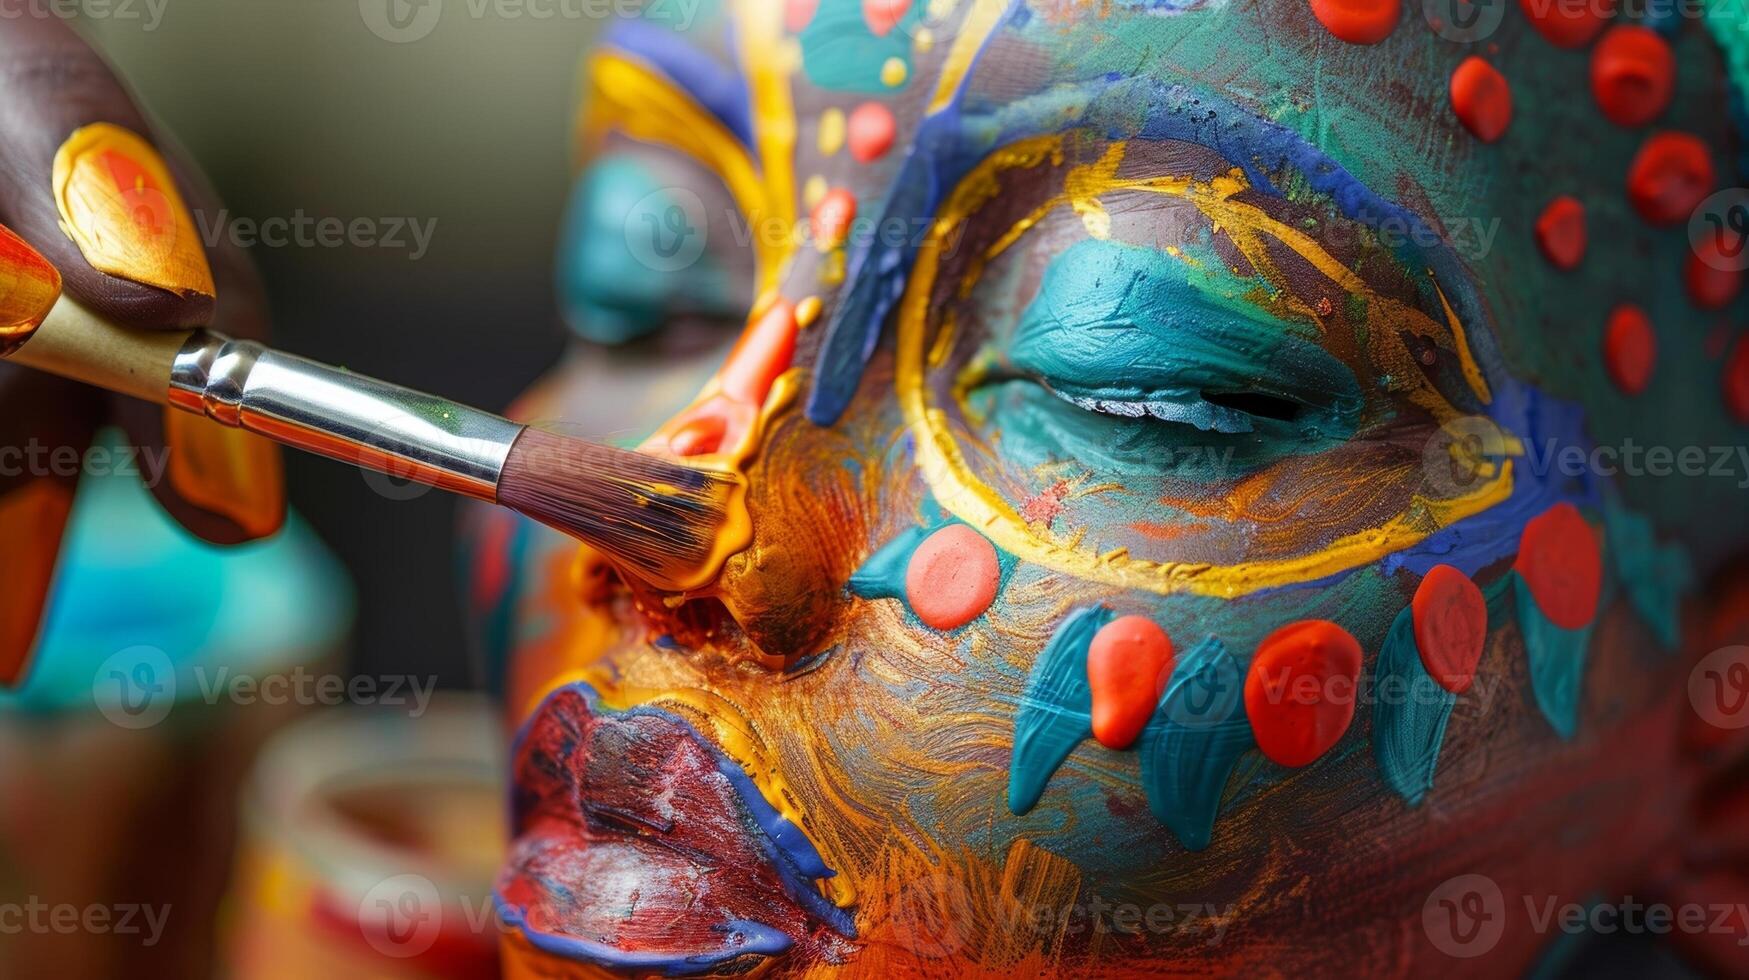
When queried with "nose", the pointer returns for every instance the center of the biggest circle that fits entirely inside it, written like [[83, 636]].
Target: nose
[[781, 595]]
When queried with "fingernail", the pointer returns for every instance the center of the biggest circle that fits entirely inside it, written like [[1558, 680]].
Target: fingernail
[[229, 472], [120, 206], [29, 286], [32, 517]]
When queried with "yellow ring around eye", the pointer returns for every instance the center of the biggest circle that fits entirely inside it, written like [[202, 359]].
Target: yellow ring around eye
[[962, 494]]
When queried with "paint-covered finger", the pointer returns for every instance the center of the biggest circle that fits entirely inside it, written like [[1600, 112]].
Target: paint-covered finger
[[83, 182], [46, 424], [223, 484]]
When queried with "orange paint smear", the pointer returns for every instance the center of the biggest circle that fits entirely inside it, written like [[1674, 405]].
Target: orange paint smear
[[29, 287]]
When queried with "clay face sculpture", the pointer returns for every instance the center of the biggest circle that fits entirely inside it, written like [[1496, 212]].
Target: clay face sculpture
[[1191, 511]]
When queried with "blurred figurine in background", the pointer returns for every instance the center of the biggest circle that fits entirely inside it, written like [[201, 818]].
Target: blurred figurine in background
[[1198, 466]]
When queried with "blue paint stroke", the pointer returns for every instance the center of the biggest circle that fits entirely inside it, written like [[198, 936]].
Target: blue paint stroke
[[1410, 712], [1196, 737], [718, 90], [1545, 427], [1056, 709], [876, 270], [1557, 661], [740, 938]]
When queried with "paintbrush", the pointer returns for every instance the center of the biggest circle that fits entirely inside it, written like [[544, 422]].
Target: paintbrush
[[659, 519]]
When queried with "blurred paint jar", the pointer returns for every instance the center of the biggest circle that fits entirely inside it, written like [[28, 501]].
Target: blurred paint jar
[[371, 840], [122, 748]]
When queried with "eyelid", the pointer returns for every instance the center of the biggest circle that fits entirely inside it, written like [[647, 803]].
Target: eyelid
[[1128, 330]]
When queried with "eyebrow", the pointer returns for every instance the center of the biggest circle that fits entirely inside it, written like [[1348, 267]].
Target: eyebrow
[[950, 142]]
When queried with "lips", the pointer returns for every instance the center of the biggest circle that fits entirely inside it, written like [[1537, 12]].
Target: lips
[[641, 845]]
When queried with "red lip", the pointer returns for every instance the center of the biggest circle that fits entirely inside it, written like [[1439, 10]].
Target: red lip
[[639, 844]]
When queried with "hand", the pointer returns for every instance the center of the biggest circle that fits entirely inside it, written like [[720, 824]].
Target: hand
[[84, 184]]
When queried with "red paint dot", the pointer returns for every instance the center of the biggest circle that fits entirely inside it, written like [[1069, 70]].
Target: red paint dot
[[798, 13], [1481, 98], [1670, 176], [1559, 559], [1633, 74], [831, 218], [1128, 664], [1560, 233], [1359, 21], [1451, 627], [1630, 348], [1566, 23], [1300, 692], [952, 577], [883, 15], [871, 131], [1709, 278], [1737, 382]]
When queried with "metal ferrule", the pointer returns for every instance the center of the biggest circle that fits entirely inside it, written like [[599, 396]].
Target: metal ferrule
[[349, 417]]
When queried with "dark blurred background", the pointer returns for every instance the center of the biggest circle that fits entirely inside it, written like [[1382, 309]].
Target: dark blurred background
[[297, 107]]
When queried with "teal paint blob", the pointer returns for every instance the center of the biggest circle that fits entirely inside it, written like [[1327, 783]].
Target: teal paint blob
[[1118, 323], [1056, 709], [1409, 715], [882, 576], [841, 54], [612, 292], [1196, 737], [1654, 576], [1557, 661]]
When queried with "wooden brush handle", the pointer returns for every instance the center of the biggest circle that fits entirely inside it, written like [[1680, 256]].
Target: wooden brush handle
[[76, 343]]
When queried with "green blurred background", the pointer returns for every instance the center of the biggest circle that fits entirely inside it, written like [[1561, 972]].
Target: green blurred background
[[298, 106]]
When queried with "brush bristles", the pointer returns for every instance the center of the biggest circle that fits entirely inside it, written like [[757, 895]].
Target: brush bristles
[[658, 518]]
